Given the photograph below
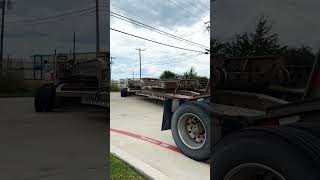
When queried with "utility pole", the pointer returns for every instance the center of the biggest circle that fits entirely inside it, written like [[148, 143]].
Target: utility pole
[[208, 26], [140, 58], [74, 47], [111, 62], [97, 29], [55, 66], [2, 31], [111, 59]]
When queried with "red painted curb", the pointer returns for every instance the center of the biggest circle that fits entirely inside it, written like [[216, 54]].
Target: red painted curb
[[150, 140]]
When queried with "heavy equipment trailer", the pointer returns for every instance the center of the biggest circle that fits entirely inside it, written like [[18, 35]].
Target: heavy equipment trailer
[[162, 89], [260, 117], [81, 81], [261, 120]]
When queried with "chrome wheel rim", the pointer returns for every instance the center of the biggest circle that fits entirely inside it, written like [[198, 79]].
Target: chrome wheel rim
[[253, 171], [192, 131]]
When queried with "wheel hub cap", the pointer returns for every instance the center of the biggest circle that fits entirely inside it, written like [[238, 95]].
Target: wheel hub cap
[[192, 131]]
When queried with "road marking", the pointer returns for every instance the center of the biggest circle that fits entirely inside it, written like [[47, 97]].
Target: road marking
[[150, 140]]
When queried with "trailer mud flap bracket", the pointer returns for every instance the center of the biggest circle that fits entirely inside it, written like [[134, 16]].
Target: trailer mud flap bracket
[[167, 114]]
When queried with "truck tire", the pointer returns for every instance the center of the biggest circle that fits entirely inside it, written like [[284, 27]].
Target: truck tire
[[265, 153], [37, 104], [44, 98], [308, 138], [124, 92], [310, 127], [190, 126]]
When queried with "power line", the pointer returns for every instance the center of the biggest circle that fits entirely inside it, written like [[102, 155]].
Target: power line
[[63, 14], [120, 9], [160, 31], [56, 20], [173, 60], [185, 59], [186, 10], [62, 18], [51, 17], [116, 15], [156, 41], [203, 4], [194, 5]]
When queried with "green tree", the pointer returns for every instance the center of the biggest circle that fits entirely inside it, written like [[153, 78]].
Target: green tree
[[168, 75], [216, 47], [260, 42], [202, 78], [191, 74], [299, 56], [264, 42]]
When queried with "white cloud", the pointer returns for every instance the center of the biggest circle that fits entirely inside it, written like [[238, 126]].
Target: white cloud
[[155, 58]]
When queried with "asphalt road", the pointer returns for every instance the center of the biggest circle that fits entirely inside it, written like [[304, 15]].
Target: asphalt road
[[135, 124], [63, 145]]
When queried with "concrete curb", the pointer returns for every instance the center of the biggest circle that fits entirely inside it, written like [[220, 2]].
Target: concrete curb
[[141, 167]]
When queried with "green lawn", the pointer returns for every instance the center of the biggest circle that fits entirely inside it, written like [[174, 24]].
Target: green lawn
[[119, 170], [115, 88], [25, 88]]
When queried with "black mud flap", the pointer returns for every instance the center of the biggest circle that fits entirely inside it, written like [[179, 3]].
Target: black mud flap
[[167, 114]]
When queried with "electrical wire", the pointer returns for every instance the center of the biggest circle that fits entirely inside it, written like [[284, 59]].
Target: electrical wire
[[194, 5], [173, 60], [50, 17], [156, 41], [203, 4], [118, 16], [186, 10], [57, 20], [176, 61]]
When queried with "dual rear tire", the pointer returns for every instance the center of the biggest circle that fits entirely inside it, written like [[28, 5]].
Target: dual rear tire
[[290, 152], [44, 100], [284, 153], [190, 127], [124, 92]]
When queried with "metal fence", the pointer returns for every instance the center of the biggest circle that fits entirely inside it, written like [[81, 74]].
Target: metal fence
[[38, 67]]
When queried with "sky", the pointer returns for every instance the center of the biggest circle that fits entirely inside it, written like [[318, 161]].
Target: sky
[[182, 18], [295, 21], [29, 29]]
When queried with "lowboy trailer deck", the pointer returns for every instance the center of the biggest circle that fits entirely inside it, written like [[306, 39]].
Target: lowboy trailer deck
[[261, 119]]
